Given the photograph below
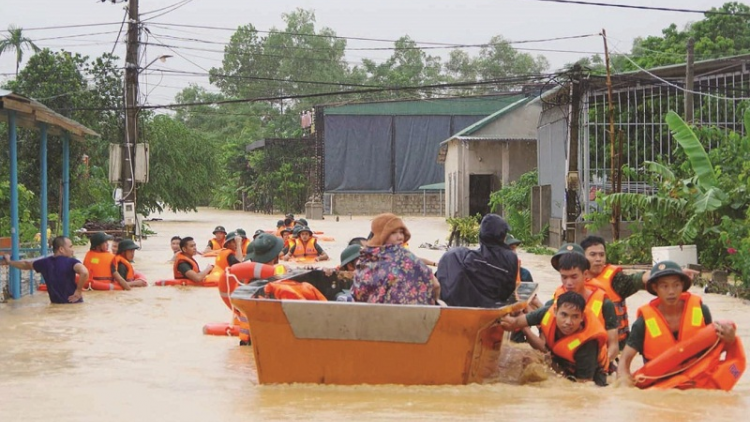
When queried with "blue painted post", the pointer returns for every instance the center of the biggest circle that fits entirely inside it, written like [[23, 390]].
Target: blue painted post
[[15, 274], [66, 185], [42, 196], [43, 187]]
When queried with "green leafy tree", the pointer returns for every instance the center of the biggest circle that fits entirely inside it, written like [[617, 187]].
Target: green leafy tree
[[716, 35], [185, 174], [17, 42]]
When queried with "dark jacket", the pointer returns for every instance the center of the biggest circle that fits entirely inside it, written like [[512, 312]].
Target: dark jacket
[[482, 277]]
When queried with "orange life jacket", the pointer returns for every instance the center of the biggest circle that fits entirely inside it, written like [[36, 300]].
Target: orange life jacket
[[180, 258], [119, 259], [215, 245], [594, 302], [604, 282], [222, 259], [658, 335], [566, 347], [99, 265], [294, 290], [245, 243], [307, 250]]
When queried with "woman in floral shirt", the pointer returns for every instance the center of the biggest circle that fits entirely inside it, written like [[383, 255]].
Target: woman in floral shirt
[[389, 273]]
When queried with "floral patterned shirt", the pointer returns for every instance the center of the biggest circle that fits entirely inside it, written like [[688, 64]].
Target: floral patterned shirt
[[392, 274]]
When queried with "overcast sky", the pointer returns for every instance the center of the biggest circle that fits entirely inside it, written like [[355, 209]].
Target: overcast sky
[[458, 21]]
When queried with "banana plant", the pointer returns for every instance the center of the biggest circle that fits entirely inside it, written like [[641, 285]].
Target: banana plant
[[689, 199]]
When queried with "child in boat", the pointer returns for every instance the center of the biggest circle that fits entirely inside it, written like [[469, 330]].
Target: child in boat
[[673, 317], [389, 273]]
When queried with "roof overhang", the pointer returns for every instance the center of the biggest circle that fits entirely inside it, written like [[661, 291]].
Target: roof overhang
[[31, 113]]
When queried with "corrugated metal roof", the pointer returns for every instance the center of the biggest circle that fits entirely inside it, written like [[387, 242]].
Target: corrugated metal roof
[[32, 113], [467, 106]]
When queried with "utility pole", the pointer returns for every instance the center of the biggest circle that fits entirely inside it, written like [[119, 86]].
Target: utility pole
[[689, 77], [131, 113], [615, 220]]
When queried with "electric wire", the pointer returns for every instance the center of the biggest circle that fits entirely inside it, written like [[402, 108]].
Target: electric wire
[[653, 8]]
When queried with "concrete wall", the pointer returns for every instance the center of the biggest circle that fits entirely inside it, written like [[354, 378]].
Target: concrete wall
[[551, 152], [506, 160], [432, 203], [520, 123]]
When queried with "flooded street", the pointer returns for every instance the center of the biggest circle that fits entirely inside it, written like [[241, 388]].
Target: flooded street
[[141, 355]]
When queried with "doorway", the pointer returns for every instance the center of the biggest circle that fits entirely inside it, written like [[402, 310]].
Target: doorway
[[480, 188]]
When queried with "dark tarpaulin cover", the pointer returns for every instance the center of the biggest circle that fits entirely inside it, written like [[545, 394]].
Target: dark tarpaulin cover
[[358, 153], [417, 142]]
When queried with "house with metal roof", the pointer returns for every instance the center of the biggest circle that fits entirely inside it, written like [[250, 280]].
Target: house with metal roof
[[487, 155], [377, 155]]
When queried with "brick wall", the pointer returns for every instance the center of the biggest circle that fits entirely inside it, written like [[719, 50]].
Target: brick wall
[[375, 203]]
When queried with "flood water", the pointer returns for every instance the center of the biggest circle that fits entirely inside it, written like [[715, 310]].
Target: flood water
[[141, 355]]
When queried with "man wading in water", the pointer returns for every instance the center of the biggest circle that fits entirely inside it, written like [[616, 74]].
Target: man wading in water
[[59, 272]]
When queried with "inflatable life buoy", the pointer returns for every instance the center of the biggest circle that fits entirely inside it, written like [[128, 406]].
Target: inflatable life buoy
[[183, 282], [221, 329], [99, 285], [695, 363]]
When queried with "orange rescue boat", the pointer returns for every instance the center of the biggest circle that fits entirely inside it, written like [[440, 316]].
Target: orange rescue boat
[[363, 343]]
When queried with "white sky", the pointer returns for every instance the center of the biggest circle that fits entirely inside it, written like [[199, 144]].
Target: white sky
[[457, 21]]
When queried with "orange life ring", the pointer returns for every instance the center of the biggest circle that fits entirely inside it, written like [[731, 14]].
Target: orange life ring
[[221, 329], [696, 363], [104, 285], [184, 282], [248, 270], [326, 238]]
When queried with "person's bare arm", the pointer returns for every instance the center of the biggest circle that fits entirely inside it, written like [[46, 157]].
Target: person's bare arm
[[83, 279], [199, 277], [536, 341], [510, 323], [322, 257], [21, 265], [623, 371], [120, 280], [613, 344]]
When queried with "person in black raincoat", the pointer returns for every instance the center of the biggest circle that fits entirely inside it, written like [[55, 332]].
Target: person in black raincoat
[[482, 277]]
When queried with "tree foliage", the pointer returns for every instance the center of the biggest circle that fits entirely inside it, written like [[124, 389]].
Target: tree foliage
[[716, 35], [17, 42]]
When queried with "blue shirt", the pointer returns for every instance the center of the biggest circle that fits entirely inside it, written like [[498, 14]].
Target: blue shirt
[[59, 275]]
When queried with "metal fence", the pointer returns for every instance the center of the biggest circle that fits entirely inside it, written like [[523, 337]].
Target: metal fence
[[30, 280], [641, 102]]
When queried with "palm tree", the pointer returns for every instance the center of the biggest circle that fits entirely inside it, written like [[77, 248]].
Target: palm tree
[[17, 42]]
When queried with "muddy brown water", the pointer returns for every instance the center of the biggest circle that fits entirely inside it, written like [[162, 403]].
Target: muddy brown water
[[141, 355]]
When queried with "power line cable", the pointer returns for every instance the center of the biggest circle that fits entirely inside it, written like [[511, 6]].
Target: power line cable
[[176, 6], [122, 25], [162, 8], [653, 8], [498, 81], [45, 28]]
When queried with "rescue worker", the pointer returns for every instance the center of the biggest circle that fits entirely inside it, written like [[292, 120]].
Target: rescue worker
[[575, 338], [279, 225], [617, 285], [572, 266], [349, 258], [174, 243], [265, 249], [98, 260], [122, 267], [675, 315], [232, 252], [245, 241], [220, 233], [184, 266], [306, 246], [289, 221], [513, 243]]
